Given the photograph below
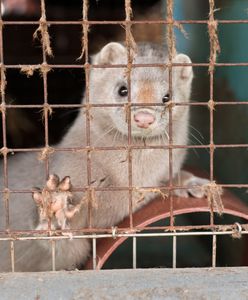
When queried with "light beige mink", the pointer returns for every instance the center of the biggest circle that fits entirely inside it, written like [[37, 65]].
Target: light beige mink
[[150, 167]]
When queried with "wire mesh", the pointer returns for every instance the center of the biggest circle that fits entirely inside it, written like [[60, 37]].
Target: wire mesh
[[45, 152]]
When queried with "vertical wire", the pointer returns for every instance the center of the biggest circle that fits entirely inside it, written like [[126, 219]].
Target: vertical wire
[[12, 255], [46, 50], [211, 144], [94, 253], [214, 48], [85, 52], [134, 252], [174, 254], [171, 51], [214, 249], [128, 11], [45, 91], [4, 150], [45, 97]]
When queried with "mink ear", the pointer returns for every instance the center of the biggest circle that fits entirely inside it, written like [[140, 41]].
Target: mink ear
[[185, 72], [112, 53]]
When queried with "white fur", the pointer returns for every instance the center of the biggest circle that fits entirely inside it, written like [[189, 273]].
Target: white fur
[[109, 168]]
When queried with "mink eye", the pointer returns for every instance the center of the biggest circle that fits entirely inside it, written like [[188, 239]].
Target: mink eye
[[123, 92], [166, 98]]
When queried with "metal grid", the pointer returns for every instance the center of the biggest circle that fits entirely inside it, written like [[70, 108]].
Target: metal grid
[[98, 233]]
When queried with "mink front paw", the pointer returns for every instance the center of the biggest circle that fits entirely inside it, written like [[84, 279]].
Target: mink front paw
[[54, 203], [194, 186]]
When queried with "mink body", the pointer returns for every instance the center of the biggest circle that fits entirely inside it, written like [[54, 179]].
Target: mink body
[[150, 167]]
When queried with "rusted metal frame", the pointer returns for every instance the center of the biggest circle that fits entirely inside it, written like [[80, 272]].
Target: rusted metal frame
[[174, 251], [45, 95], [12, 255], [211, 145], [214, 248], [121, 66], [125, 234], [128, 12], [4, 129], [212, 61], [171, 45], [85, 52], [45, 113], [122, 22], [94, 254], [40, 234], [4, 150], [114, 105], [115, 189], [134, 252], [175, 228]]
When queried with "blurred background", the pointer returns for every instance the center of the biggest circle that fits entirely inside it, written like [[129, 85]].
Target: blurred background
[[25, 127]]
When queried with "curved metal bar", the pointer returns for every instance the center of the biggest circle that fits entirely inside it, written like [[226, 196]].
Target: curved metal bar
[[159, 209]]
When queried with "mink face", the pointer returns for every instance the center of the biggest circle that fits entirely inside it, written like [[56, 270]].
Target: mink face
[[148, 86]]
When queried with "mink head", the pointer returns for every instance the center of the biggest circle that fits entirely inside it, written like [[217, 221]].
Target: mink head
[[148, 86]]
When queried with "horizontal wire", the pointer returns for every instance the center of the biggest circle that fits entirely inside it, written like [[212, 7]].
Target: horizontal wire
[[115, 66], [125, 235], [118, 189], [123, 22], [126, 148], [115, 105]]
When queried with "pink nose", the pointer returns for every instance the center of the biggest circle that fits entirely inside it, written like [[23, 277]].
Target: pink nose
[[144, 119]]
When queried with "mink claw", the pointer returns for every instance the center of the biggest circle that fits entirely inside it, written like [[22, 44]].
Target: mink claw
[[52, 182], [65, 184]]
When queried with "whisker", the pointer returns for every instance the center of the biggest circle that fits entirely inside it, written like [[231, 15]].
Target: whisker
[[116, 137], [196, 130], [196, 139], [111, 128], [167, 135], [165, 139], [68, 112], [195, 150]]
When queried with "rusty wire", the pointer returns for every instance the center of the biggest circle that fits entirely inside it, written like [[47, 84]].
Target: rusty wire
[[131, 231], [171, 44]]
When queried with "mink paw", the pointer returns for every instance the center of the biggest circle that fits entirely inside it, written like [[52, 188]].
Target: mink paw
[[54, 202], [194, 186]]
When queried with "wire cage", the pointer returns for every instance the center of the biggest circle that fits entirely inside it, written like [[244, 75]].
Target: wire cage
[[165, 206]]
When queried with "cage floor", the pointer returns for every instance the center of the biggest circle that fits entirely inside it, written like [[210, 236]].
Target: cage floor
[[218, 283]]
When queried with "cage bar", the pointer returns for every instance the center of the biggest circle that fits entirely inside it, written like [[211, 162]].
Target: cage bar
[[214, 249], [134, 252], [174, 252], [94, 253]]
